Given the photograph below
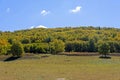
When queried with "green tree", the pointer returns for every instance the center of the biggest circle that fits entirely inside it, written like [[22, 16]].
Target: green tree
[[112, 46], [104, 49], [25, 41], [91, 46], [3, 46], [3, 49], [76, 46], [117, 47], [56, 46], [17, 49], [27, 48], [69, 46]]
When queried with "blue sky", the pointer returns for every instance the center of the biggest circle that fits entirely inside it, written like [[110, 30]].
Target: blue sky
[[25, 14]]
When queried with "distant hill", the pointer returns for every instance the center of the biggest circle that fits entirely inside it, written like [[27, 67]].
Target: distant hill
[[66, 34]]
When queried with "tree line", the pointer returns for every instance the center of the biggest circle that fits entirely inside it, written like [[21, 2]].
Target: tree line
[[56, 40]]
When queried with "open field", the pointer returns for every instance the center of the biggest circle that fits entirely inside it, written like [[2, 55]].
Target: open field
[[61, 67]]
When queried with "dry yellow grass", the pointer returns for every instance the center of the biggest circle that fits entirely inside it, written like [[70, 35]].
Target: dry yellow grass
[[60, 67]]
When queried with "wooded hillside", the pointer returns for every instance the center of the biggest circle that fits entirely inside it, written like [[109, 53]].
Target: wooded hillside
[[55, 40]]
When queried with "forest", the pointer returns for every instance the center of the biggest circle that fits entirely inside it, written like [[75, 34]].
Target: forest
[[56, 40]]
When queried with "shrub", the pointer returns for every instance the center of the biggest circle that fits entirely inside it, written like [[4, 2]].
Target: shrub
[[25, 41], [27, 48], [3, 46], [36, 48], [3, 49], [56, 46], [76, 46], [17, 49], [104, 49]]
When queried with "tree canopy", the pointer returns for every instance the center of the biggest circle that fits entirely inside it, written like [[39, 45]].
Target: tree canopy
[[77, 39], [17, 49], [104, 49]]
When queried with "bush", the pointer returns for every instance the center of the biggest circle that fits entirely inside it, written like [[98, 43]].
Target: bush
[[36, 48], [117, 47], [56, 46], [112, 46], [104, 49], [3, 47], [91, 46], [27, 48], [76, 46], [25, 41], [17, 49]]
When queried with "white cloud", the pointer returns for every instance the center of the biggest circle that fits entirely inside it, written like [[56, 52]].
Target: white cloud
[[77, 9], [8, 10], [40, 26], [31, 27], [44, 12]]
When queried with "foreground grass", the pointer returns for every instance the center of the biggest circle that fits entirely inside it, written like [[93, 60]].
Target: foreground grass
[[61, 67]]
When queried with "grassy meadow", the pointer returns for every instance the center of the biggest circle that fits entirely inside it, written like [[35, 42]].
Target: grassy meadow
[[61, 67]]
